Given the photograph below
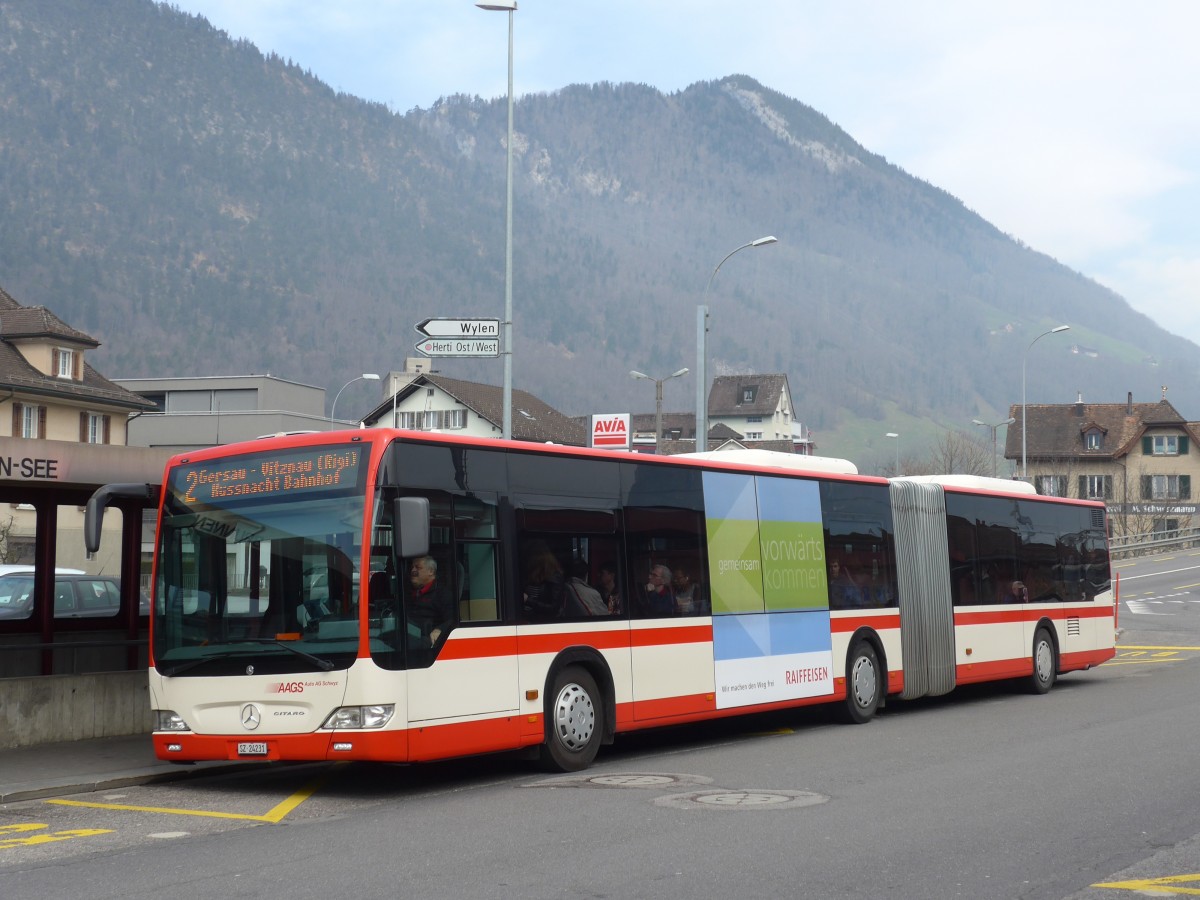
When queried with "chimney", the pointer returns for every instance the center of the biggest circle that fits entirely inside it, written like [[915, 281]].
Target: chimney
[[1129, 404], [1079, 405]]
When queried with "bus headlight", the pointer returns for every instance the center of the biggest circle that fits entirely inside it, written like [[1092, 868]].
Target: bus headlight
[[360, 716], [169, 720]]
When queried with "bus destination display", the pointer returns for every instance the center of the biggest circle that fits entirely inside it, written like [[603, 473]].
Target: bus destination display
[[264, 476]]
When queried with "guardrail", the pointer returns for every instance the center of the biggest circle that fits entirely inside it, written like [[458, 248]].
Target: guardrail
[[1154, 542]]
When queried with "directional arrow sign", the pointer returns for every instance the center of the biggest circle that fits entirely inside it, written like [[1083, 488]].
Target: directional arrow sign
[[460, 328], [488, 346]]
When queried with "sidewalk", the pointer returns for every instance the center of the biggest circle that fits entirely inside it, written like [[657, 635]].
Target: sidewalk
[[75, 767]]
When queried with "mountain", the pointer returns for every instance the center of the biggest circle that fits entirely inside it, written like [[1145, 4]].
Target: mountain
[[201, 208]]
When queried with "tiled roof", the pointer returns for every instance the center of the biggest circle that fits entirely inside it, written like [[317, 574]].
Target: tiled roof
[[728, 391], [1056, 430], [532, 419], [39, 322], [16, 374]]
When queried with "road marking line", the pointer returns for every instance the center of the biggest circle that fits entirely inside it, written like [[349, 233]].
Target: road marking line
[[1157, 885], [49, 837], [1140, 647], [274, 816]]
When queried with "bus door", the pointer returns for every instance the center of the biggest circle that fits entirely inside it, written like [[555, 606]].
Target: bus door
[[460, 654]]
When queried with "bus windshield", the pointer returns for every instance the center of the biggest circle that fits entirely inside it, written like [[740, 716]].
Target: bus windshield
[[258, 563]]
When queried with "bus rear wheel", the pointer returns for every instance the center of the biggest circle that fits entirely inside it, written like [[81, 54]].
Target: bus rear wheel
[[864, 684], [574, 721], [1045, 666]]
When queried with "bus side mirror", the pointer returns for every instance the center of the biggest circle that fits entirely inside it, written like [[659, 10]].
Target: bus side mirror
[[103, 498], [410, 523]]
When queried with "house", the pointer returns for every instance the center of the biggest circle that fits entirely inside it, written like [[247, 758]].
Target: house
[[429, 402], [759, 409], [1139, 458], [55, 443]]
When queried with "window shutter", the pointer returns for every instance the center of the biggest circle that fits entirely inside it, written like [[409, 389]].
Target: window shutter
[[107, 429], [1147, 487], [18, 415], [1082, 487], [83, 427], [1147, 446], [77, 365], [1183, 446], [1185, 487], [55, 361], [41, 429], [1107, 487]]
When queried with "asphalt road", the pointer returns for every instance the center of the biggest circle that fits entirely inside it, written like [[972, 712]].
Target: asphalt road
[[988, 793]]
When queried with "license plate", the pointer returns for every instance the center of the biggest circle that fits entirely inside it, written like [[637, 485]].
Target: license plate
[[252, 748]]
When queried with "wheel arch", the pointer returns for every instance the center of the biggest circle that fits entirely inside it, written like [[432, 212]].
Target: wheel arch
[[869, 636], [1047, 623], [593, 661]]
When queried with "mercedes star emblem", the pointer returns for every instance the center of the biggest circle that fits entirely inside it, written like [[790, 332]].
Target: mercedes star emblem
[[251, 717]]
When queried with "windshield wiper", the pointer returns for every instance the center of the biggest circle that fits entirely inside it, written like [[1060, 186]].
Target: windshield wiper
[[323, 663]]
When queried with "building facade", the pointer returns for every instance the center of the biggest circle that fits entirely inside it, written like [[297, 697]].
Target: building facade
[[1141, 459]]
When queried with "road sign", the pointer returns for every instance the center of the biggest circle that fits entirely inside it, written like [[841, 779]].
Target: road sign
[[459, 346], [459, 328]]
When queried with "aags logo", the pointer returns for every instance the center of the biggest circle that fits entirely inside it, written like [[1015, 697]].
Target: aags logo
[[286, 687]]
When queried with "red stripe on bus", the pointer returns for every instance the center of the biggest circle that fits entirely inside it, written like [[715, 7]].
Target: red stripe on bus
[[1013, 614]]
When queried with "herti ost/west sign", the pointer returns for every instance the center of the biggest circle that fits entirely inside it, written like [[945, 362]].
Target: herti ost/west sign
[[458, 337]]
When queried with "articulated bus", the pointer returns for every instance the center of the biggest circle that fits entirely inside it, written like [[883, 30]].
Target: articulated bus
[[392, 595]]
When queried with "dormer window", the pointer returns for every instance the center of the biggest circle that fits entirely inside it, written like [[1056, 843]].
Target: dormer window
[[1093, 440], [1164, 445], [748, 394], [67, 364]]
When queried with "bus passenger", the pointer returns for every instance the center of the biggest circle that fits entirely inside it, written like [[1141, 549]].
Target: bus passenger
[[545, 591], [609, 591], [689, 596], [844, 591], [1017, 593], [658, 600], [430, 607], [584, 599]]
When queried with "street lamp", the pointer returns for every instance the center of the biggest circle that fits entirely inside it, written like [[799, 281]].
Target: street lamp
[[658, 383], [702, 347], [510, 7], [896, 437], [1024, 359], [1007, 421], [365, 376]]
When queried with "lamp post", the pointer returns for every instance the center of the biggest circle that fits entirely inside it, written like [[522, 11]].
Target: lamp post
[[1007, 421], [702, 346], [896, 438], [1025, 359], [510, 7], [365, 376], [658, 383]]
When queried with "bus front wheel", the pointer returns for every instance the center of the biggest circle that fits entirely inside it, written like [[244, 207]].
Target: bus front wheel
[[864, 684], [1045, 666], [574, 721]]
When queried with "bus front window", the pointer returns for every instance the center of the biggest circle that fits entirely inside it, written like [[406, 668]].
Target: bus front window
[[251, 585]]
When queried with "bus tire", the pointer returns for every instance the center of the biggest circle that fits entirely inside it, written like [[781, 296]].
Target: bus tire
[[863, 684], [1045, 663], [574, 721]]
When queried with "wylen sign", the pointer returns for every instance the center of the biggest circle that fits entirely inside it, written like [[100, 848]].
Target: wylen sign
[[459, 337]]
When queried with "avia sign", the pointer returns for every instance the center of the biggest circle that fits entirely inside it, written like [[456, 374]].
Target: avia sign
[[611, 431]]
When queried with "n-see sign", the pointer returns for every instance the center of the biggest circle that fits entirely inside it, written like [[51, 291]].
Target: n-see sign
[[459, 337], [611, 431]]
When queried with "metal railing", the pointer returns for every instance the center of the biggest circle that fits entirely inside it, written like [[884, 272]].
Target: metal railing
[[1154, 542]]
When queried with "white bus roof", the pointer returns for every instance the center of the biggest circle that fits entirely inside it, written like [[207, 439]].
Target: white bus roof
[[974, 482], [776, 460]]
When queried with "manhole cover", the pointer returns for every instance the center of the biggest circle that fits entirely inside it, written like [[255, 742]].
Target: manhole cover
[[744, 800], [639, 781], [644, 780]]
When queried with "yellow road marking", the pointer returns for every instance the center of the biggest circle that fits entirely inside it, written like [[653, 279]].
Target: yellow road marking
[[1132, 662], [274, 816], [1158, 886], [48, 837], [1148, 647], [1186, 586]]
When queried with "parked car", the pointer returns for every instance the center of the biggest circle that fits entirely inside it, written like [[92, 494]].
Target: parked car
[[76, 596]]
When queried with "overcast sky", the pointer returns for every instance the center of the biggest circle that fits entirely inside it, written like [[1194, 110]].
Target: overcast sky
[[1073, 126]]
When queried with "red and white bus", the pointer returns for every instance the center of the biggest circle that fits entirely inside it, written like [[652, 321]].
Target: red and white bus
[[391, 595]]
